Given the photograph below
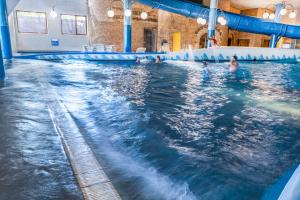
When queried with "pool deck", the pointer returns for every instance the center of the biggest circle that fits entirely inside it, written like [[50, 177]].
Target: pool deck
[[93, 182], [33, 162]]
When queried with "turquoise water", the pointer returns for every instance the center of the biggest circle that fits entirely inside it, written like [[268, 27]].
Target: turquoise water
[[169, 132]]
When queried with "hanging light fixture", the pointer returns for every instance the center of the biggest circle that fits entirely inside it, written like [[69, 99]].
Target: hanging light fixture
[[266, 15], [199, 20], [144, 15], [283, 11], [53, 14], [111, 13], [221, 20], [203, 22], [272, 16], [286, 9], [128, 13], [224, 22], [292, 15]]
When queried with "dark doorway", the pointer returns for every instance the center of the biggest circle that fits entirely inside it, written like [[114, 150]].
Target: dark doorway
[[230, 42], [203, 41], [150, 40], [266, 43]]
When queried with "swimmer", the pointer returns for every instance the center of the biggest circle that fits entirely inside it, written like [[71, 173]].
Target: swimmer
[[158, 60], [205, 71], [144, 60], [205, 68], [138, 60], [234, 64], [214, 42]]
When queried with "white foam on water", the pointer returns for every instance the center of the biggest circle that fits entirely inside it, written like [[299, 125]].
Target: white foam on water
[[129, 161]]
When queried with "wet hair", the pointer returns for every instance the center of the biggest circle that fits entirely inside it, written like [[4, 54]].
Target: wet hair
[[235, 57]]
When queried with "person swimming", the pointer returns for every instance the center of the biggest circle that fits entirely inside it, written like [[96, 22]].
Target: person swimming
[[138, 60], [234, 64], [205, 71], [214, 42], [158, 59]]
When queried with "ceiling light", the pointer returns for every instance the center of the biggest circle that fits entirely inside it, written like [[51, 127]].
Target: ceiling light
[[203, 22], [266, 15], [220, 19], [53, 14], [127, 13], [199, 20], [110, 13], [293, 15], [144, 15], [272, 16], [224, 22], [283, 11]]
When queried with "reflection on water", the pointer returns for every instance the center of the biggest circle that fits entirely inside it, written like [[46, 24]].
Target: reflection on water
[[163, 133]]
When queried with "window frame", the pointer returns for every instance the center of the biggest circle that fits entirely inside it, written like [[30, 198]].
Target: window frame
[[76, 28], [40, 12]]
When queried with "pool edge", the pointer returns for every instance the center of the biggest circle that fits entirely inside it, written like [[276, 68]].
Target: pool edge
[[92, 180]]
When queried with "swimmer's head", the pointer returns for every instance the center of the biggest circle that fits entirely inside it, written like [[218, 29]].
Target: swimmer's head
[[234, 58]]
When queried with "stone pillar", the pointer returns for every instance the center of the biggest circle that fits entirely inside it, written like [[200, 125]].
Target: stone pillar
[[4, 29], [274, 38], [127, 5], [212, 20]]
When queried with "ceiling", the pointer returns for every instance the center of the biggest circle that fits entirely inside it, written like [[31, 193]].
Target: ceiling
[[262, 3]]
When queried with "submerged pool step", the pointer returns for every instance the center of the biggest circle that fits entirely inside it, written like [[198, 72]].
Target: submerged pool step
[[93, 182]]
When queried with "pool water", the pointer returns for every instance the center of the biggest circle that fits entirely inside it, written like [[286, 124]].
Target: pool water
[[168, 131]]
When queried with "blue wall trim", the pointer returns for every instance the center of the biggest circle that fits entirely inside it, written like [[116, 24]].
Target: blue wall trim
[[127, 5], [4, 31], [127, 38], [2, 69]]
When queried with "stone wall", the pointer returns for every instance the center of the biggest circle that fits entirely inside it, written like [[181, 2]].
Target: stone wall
[[169, 23], [191, 33], [109, 31]]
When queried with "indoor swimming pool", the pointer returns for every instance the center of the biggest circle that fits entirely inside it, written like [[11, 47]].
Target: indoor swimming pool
[[171, 131]]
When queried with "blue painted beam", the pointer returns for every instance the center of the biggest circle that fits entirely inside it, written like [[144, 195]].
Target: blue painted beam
[[2, 69], [4, 31], [212, 21], [127, 5], [274, 37]]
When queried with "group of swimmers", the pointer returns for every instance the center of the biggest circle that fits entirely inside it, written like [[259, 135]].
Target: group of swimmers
[[139, 60], [233, 66]]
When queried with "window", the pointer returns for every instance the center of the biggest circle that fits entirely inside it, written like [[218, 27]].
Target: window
[[81, 25], [32, 22], [73, 25]]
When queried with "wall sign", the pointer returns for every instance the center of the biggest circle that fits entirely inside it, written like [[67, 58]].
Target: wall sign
[[54, 42]]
